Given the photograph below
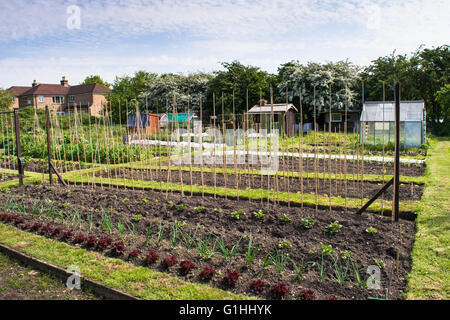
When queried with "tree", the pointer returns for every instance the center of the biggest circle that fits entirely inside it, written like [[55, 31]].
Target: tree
[[95, 79], [6, 99], [443, 100], [127, 91], [342, 77], [239, 78]]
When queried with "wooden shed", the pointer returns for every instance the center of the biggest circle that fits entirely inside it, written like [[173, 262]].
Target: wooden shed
[[284, 116], [143, 123]]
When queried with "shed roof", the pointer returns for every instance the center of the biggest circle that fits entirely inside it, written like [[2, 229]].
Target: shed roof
[[267, 108], [177, 117], [409, 111]]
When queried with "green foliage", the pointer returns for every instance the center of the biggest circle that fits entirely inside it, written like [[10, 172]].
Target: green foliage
[[137, 218], [371, 230], [95, 79], [307, 223], [259, 214], [326, 250], [284, 244], [285, 218], [237, 214], [200, 209], [6, 99], [332, 228]]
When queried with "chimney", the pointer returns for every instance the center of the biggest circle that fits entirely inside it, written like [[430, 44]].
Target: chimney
[[34, 84], [64, 82]]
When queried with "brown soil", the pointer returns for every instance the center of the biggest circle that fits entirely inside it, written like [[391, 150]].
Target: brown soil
[[148, 210], [352, 189]]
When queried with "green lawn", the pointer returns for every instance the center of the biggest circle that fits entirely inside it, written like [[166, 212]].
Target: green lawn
[[430, 274]]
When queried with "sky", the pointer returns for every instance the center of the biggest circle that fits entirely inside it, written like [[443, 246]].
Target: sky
[[44, 40]]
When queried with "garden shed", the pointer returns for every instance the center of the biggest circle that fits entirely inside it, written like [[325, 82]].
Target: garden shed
[[378, 126], [177, 119], [145, 122], [284, 116]]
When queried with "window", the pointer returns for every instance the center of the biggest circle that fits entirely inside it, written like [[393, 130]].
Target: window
[[41, 98], [336, 117], [57, 99], [71, 98]]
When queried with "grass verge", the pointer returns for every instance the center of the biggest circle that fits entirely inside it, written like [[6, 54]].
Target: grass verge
[[430, 274]]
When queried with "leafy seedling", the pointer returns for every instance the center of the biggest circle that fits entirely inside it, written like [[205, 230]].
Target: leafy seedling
[[285, 218]]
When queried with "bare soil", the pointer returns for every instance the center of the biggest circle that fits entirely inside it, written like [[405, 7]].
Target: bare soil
[[147, 213]]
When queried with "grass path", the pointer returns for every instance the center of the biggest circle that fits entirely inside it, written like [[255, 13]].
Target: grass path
[[430, 274]]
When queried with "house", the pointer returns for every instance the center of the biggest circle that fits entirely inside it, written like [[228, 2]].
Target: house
[[378, 123], [284, 116], [144, 123], [62, 98], [338, 120]]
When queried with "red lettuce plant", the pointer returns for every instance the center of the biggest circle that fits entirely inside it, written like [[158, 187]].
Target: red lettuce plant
[[55, 231], [151, 258], [231, 277], [80, 238], [207, 273], [134, 253], [186, 266], [170, 261], [118, 248], [332, 297], [46, 229], [257, 286], [36, 226], [18, 220], [67, 235], [307, 295], [104, 243], [91, 241], [279, 290]]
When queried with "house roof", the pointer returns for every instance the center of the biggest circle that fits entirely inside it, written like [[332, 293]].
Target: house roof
[[409, 111], [278, 107], [47, 89], [18, 90]]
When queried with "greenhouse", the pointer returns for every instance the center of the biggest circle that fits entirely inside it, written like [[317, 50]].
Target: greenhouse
[[377, 123]]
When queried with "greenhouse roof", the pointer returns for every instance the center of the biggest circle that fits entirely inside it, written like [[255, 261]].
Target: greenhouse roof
[[409, 111]]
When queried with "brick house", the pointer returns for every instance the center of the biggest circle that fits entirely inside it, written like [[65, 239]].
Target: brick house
[[87, 98]]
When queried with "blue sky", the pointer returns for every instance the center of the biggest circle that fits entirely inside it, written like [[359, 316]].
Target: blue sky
[[116, 38]]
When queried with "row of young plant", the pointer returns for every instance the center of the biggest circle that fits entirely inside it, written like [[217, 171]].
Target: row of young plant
[[338, 266]]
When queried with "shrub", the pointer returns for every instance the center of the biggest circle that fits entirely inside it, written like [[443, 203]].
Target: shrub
[[307, 295], [151, 258], [207, 273], [257, 286], [279, 290], [133, 254], [231, 277], [307, 223], [118, 248], [186, 266], [170, 261], [332, 228]]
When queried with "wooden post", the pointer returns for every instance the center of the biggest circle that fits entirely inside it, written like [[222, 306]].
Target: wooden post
[[395, 201], [18, 145], [47, 129]]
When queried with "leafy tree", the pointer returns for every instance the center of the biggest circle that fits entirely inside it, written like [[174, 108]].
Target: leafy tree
[[302, 80], [95, 79], [239, 78], [443, 100], [6, 99]]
